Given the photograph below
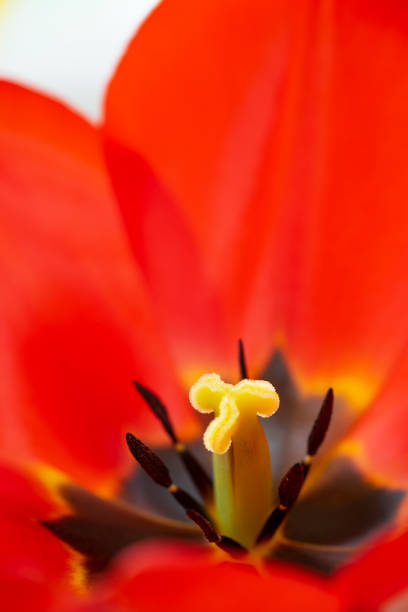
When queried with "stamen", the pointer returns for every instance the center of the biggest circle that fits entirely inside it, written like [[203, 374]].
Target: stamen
[[319, 429], [198, 475], [292, 482], [288, 491], [242, 361], [158, 471]]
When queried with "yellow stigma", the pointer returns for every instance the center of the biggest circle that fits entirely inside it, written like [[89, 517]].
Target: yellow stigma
[[230, 403]]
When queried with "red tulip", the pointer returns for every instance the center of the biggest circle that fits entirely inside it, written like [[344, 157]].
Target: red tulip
[[248, 181]]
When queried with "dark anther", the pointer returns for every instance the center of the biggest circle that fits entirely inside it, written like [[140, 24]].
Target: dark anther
[[321, 424], [149, 461], [289, 490], [291, 484], [319, 429], [198, 475], [242, 362], [157, 470], [204, 524], [157, 408]]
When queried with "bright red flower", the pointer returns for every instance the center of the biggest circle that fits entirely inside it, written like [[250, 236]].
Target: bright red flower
[[257, 154]]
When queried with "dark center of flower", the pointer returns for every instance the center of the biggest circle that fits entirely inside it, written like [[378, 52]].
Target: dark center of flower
[[239, 510]]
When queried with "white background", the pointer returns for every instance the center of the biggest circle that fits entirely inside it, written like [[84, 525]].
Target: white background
[[67, 48]]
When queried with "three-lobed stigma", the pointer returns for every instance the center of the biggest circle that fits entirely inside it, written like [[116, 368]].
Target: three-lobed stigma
[[229, 403]]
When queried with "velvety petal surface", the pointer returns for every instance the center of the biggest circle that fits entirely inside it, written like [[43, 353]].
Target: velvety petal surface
[[76, 322], [282, 144]]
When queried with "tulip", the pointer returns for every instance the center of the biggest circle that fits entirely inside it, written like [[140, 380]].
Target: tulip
[[247, 182]]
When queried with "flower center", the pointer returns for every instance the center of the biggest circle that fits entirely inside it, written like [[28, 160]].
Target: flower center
[[240, 510]]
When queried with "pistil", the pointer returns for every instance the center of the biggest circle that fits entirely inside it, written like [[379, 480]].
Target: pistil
[[241, 460]]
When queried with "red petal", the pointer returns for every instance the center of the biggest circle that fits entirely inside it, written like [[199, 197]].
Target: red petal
[[377, 579], [348, 320], [182, 297], [284, 145], [164, 576], [78, 321], [220, 71], [35, 568]]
